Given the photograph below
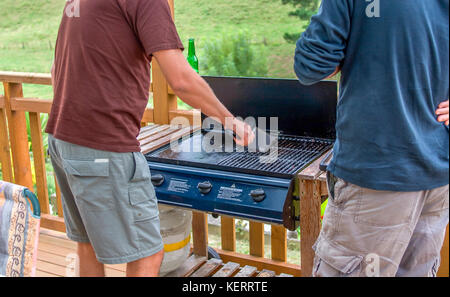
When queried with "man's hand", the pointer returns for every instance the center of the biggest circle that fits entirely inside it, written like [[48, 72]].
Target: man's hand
[[193, 89], [442, 112], [244, 132], [336, 71]]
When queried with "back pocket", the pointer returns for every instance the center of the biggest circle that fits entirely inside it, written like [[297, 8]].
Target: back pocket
[[90, 183]]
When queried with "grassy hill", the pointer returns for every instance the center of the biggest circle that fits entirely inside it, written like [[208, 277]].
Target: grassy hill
[[29, 28]]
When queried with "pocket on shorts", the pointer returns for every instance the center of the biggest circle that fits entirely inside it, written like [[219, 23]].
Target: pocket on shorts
[[143, 201], [339, 189], [141, 192], [145, 214], [89, 182], [332, 260], [141, 170]]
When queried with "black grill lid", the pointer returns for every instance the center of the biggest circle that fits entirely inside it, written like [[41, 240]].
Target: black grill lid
[[301, 110]]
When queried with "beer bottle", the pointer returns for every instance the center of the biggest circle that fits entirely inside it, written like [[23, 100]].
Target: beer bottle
[[192, 58]]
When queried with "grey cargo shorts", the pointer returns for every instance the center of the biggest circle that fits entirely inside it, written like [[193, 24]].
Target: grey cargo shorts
[[380, 233], [108, 201]]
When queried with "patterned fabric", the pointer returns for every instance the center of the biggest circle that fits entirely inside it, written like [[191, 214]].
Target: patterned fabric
[[19, 232]]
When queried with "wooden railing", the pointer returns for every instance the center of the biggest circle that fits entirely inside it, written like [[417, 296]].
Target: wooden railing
[[16, 167]]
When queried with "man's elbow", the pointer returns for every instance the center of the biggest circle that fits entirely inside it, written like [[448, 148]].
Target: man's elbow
[[182, 83], [304, 75], [313, 63], [309, 75], [180, 86]]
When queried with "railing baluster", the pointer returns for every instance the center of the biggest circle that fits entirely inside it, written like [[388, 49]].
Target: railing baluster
[[256, 239], [37, 145], [5, 151], [228, 233], [200, 233], [278, 243], [58, 199]]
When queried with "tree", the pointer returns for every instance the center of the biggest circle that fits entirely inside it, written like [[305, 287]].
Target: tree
[[304, 10]]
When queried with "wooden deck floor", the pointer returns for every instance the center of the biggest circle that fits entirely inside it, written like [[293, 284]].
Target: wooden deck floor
[[55, 252]]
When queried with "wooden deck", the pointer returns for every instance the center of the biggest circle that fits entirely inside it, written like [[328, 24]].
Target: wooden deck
[[56, 253]]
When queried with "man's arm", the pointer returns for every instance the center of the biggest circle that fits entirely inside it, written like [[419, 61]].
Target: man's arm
[[320, 49], [193, 89]]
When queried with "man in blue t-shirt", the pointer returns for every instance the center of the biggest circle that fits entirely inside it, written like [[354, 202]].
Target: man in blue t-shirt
[[388, 179]]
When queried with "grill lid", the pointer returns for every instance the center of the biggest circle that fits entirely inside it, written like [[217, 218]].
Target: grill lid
[[301, 110]]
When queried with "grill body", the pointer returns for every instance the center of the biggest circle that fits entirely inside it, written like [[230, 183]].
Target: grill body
[[224, 179]]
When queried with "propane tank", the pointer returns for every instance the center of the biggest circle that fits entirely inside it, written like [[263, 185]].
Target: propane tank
[[176, 225]]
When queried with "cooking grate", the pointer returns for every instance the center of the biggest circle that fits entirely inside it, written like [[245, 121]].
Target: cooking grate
[[292, 154]]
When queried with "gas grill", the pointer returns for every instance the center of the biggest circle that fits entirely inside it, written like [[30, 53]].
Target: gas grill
[[245, 183]]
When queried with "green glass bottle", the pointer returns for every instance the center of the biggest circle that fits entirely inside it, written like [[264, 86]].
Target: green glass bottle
[[192, 58]]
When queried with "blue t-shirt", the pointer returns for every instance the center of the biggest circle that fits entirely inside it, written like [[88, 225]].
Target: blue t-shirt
[[394, 56]]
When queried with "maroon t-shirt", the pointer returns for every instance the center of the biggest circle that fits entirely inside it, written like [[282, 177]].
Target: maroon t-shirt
[[102, 70]]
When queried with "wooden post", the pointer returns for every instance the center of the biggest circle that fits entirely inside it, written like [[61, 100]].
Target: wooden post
[[5, 153], [278, 244], [59, 206], [39, 161], [172, 8], [256, 239], [18, 135], [200, 233], [309, 222], [163, 101], [228, 233]]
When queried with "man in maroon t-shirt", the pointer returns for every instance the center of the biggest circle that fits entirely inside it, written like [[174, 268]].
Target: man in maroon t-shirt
[[101, 78]]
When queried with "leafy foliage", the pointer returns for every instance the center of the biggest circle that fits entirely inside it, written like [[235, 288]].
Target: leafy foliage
[[304, 10], [234, 55]]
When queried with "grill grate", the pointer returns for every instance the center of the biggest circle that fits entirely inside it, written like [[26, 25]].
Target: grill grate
[[292, 155]]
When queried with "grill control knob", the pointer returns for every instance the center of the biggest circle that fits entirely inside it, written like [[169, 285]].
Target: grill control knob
[[157, 180], [204, 187], [258, 195]]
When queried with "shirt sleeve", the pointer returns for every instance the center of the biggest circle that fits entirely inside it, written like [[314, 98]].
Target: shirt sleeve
[[321, 48], [153, 24]]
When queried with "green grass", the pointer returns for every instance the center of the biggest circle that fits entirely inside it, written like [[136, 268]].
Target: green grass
[[29, 29]]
